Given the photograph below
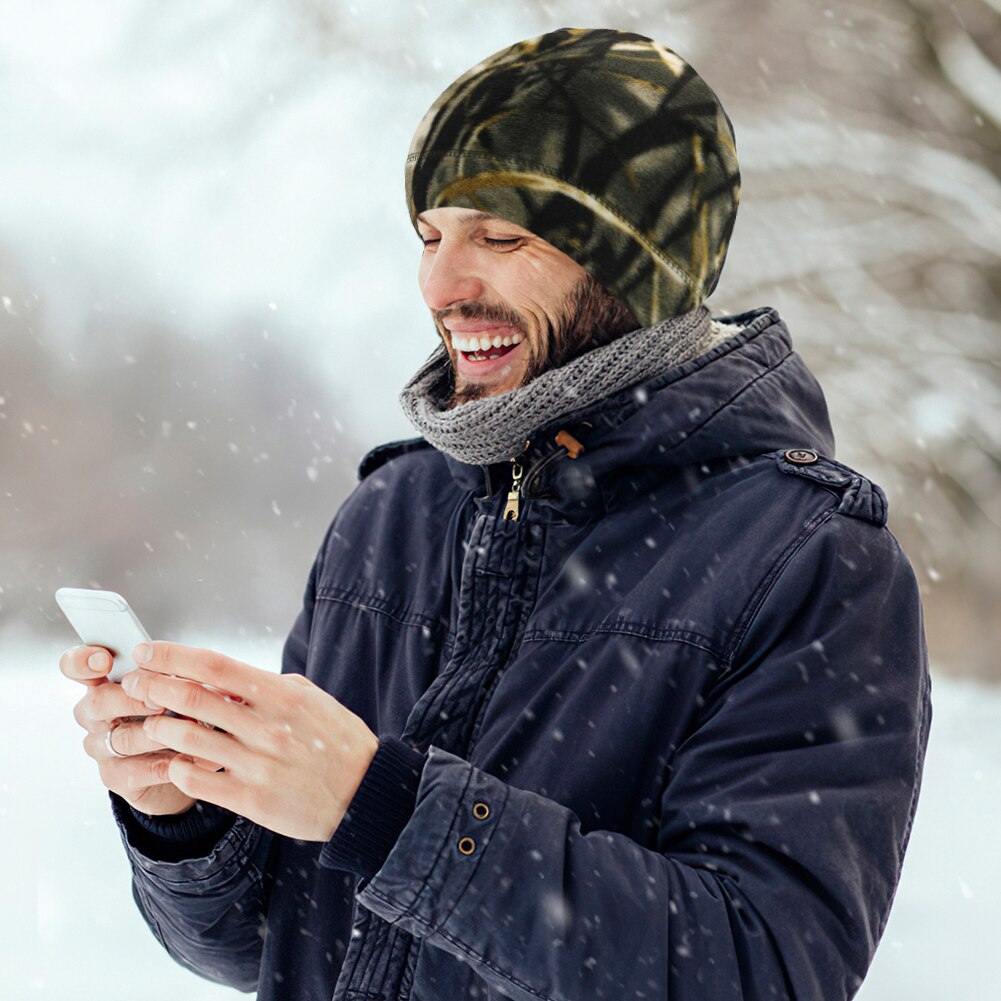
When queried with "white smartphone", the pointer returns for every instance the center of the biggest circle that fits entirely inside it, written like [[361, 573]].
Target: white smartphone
[[104, 618]]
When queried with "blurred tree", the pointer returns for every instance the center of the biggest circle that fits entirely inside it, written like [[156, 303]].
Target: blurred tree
[[194, 474], [870, 138]]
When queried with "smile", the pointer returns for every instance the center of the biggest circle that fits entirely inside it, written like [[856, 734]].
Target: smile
[[473, 344], [488, 355], [485, 354]]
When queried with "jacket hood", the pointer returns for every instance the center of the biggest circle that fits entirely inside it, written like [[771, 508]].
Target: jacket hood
[[749, 395]]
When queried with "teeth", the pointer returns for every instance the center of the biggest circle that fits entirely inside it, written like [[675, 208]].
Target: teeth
[[461, 343]]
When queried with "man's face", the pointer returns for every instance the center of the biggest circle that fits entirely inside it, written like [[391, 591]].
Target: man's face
[[528, 306]]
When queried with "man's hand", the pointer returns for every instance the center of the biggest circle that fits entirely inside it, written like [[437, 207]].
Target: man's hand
[[292, 757], [134, 766]]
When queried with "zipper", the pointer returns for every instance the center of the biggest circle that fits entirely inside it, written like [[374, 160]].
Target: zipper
[[568, 445], [513, 506], [520, 484], [536, 470], [511, 509]]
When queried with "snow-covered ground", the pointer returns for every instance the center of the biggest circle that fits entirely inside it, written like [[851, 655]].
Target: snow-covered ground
[[69, 928]]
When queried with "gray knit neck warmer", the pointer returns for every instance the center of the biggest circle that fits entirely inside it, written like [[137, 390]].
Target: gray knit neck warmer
[[495, 428]]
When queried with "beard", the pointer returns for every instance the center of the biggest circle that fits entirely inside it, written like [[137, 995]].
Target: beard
[[589, 317]]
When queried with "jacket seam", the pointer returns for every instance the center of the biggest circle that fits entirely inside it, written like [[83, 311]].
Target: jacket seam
[[372, 603], [458, 896], [140, 891], [746, 336], [695, 429], [761, 592], [921, 732], [473, 954], [430, 929], [639, 630], [524, 614], [409, 911], [614, 403], [240, 856], [458, 943], [395, 448]]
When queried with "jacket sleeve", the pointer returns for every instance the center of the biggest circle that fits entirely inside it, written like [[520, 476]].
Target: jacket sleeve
[[783, 821], [203, 898], [206, 911]]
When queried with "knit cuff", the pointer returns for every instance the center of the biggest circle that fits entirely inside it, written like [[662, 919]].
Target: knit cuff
[[379, 811], [174, 837]]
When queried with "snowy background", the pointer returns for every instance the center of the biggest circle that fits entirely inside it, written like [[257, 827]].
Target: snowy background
[[71, 930], [208, 303]]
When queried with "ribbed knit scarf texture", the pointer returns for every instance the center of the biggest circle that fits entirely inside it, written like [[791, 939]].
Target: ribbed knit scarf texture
[[495, 428]]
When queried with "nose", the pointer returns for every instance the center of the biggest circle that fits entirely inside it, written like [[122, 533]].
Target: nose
[[447, 276]]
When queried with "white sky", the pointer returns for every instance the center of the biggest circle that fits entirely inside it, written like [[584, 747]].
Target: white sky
[[218, 164], [211, 164]]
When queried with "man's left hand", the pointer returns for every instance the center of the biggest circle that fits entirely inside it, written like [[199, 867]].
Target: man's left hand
[[292, 755]]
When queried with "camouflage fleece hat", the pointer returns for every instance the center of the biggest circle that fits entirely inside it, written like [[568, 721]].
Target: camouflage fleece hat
[[604, 143]]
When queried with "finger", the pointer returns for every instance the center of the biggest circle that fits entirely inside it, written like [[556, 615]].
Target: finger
[[217, 749], [206, 667], [85, 663], [209, 766], [188, 698], [126, 775], [212, 787], [106, 702], [126, 740], [130, 739]]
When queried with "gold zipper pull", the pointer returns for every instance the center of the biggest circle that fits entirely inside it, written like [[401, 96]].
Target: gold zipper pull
[[511, 508]]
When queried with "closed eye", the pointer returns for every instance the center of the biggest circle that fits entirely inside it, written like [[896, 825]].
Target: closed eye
[[507, 242]]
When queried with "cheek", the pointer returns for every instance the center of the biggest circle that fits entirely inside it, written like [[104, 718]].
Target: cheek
[[548, 291], [422, 271], [447, 341], [542, 318]]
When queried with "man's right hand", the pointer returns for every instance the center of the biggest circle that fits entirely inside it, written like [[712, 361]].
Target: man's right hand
[[136, 767]]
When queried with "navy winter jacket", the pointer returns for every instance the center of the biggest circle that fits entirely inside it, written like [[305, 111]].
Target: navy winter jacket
[[658, 736]]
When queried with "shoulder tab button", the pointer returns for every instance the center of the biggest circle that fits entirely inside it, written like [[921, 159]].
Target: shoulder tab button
[[800, 456]]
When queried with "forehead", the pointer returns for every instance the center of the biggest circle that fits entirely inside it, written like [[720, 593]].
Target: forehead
[[453, 215]]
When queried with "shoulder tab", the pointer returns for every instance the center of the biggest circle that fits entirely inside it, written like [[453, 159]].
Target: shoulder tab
[[860, 497], [383, 453]]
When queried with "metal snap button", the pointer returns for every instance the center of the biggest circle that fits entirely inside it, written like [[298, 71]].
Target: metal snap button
[[800, 456], [481, 811], [467, 846]]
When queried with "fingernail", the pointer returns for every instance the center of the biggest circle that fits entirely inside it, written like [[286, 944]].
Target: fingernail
[[142, 654], [129, 683], [98, 662]]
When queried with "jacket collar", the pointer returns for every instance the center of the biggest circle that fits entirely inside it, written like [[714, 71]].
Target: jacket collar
[[749, 395]]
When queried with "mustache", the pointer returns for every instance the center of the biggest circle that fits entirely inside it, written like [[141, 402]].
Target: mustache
[[480, 311]]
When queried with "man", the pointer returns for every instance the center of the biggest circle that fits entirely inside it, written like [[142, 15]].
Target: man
[[612, 684]]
